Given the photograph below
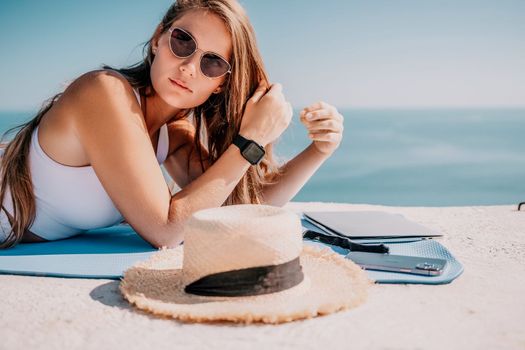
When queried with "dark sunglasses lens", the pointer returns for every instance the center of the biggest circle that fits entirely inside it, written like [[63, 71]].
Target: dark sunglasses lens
[[213, 66], [181, 43]]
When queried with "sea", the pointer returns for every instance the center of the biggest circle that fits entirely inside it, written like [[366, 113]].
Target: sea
[[410, 157]]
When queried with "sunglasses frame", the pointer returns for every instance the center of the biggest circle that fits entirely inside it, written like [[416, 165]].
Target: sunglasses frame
[[170, 31]]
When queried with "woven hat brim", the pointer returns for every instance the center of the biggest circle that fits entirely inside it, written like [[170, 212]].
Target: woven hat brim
[[331, 283]]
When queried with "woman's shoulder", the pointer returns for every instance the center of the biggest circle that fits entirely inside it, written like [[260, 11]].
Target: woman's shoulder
[[99, 94], [101, 83], [94, 101]]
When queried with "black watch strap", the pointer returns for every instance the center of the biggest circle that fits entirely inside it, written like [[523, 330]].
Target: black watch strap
[[240, 141]]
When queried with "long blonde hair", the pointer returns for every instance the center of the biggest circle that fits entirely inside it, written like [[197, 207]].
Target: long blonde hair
[[222, 114]]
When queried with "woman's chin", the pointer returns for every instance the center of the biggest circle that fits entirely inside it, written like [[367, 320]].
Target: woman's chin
[[174, 101]]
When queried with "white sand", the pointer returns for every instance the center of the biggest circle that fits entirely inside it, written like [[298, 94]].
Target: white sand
[[482, 309]]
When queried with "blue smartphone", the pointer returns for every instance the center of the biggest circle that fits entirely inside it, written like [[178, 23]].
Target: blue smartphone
[[398, 263]]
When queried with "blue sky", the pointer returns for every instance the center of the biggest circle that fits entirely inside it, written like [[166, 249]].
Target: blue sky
[[378, 54]]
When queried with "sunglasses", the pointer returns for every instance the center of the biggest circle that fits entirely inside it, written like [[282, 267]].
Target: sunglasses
[[183, 45]]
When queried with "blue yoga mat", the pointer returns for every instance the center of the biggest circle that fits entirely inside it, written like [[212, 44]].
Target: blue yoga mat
[[103, 253], [108, 252]]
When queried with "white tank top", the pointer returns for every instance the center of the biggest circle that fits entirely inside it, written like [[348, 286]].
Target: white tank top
[[70, 200]]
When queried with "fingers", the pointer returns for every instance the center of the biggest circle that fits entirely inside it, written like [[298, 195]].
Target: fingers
[[320, 106], [259, 92], [274, 92], [323, 122], [326, 136], [322, 112], [275, 89], [320, 115], [330, 125], [317, 105]]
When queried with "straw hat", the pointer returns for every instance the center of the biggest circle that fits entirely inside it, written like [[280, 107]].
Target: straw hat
[[244, 263]]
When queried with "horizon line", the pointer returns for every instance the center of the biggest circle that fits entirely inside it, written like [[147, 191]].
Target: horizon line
[[355, 107]]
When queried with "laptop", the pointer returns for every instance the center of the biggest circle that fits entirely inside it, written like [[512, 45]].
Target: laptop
[[368, 224]]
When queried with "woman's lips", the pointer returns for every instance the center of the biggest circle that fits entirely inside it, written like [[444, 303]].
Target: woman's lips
[[179, 84]]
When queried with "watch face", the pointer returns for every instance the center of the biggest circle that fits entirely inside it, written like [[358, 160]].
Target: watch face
[[253, 153]]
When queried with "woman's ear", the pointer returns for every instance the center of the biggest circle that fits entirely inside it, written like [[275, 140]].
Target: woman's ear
[[219, 88], [155, 39]]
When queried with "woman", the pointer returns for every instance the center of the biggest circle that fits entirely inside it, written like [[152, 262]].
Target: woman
[[91, 156]]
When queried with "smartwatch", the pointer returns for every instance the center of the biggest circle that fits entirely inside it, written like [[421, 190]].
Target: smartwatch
[[250, 150]]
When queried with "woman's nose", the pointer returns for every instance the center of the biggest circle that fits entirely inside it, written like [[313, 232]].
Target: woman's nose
[[189, 64]]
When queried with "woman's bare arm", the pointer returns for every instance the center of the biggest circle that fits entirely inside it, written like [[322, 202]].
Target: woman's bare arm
[[296, 172], [116, 141], [325, 127]]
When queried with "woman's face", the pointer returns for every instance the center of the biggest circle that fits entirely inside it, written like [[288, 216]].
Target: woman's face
[[211, 34]]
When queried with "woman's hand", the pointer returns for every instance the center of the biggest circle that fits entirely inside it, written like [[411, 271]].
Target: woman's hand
[[267, 115], [325, 126]]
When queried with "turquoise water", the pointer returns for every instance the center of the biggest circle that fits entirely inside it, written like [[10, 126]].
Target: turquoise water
[[439, 157]]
